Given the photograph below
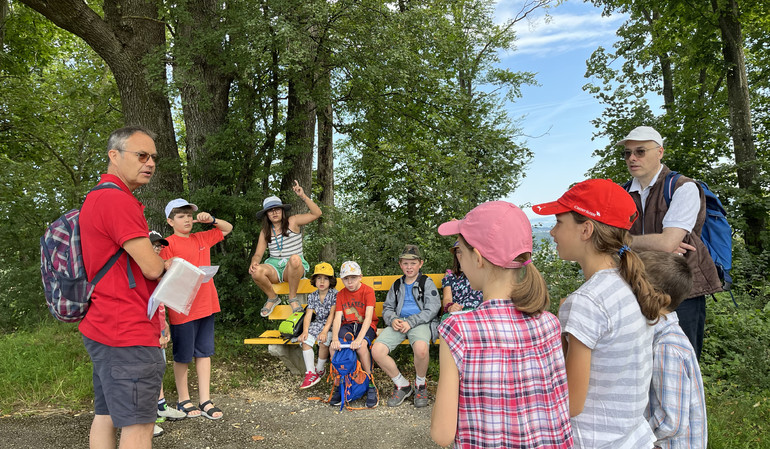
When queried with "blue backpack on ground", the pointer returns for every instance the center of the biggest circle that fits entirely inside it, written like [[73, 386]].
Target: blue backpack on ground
[[716, 233], [352, 380], [67, 290]]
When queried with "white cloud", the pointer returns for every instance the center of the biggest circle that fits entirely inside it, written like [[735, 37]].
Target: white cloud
[[568, 28]]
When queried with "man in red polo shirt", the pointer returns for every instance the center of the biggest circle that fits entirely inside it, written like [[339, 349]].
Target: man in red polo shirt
[[122, 343]]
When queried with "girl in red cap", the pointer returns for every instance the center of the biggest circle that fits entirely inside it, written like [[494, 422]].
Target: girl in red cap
[[502, 381], [607, 322]]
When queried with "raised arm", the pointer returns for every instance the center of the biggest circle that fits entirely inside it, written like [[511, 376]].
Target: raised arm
[[205, 217], [295, 221]]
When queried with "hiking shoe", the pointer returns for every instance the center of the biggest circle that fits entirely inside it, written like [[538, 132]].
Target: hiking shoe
[[421, 396], [336, 396], [157, 431], [372, 398], [398, 396], [171, 414], [311, 379]]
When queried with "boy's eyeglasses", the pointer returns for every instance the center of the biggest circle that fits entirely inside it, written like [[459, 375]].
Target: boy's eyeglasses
[[142, 156], [638, 152]]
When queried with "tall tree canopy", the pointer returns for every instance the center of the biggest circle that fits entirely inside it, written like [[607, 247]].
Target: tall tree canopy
[[246, 96], [704, 61]]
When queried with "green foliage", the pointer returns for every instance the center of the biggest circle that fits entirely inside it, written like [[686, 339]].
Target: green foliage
[[57, 107], [44, 366]]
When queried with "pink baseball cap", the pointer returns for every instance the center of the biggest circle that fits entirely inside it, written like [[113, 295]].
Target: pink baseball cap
[[599, 199], [498, 229]]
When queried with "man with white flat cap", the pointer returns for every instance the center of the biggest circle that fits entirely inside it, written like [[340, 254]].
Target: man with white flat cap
[[671, 228]]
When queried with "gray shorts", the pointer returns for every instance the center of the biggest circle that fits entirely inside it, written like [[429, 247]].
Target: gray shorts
[[127, 382], [392, 338]]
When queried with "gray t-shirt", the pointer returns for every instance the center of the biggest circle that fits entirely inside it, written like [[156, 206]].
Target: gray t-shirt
[[604, 315]]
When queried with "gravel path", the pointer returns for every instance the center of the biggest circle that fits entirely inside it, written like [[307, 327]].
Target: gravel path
[[275, 415]]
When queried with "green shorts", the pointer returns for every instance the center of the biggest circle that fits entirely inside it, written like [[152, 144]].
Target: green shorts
[[279, 264], [392, 338]]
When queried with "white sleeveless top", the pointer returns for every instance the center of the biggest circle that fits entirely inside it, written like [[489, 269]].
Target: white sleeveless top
[[281, 246]]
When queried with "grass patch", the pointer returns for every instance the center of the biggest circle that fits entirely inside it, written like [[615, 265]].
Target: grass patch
[[738, 422], [46, 367]]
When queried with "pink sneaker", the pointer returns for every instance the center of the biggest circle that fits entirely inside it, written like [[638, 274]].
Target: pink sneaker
[[311, 379]]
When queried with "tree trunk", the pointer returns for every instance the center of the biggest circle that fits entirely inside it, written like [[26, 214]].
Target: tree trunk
[[203, 83], [4, 13], [740, 123], [325, 171], [300, 132], [131, 39]]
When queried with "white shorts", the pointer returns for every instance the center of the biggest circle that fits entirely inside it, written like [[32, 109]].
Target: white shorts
[[311, 339]]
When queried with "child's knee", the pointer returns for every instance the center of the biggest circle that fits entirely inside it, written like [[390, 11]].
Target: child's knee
[[295, 262], [305, 347], [421, 350], [379, 350]]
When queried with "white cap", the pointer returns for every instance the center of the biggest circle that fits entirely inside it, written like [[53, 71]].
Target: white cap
[[643, 133], [179, 202], [350, 268]]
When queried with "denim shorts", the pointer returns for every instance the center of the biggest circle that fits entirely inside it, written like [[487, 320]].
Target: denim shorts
[[193, 339], [354, 329], [127, 382]]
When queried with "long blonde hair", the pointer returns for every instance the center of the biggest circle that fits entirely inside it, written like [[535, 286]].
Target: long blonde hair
[[608, 239]]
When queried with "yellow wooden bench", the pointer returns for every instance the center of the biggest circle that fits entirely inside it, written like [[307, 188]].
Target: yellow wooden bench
[[290, 352]]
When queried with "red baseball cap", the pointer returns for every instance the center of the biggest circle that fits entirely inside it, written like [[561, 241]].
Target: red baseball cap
[[599, 199], [498, 229]]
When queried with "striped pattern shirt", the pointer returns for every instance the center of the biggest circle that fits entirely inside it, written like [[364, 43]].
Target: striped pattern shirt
[[677, 409], [282, 246], [513, 384], [603, 314]]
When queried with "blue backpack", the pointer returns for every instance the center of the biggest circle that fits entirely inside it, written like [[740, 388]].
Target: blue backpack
[[348, 374], [67, 289], [716, 233]]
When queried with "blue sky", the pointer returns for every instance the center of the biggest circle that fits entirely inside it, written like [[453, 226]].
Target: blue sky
[[556, 116]]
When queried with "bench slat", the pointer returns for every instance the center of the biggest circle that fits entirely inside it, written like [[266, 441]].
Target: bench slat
[[273, 337], [378, 283]]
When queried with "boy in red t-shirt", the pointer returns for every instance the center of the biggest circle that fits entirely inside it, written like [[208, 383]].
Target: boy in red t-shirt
[[355, 320], [193, 334]]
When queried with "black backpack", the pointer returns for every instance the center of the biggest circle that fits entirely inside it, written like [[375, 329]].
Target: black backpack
[[421, 279]]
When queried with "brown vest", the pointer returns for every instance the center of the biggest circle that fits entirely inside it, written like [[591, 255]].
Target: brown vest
[[705, 279]]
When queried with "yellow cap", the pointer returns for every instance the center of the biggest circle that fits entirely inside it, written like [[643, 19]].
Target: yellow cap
[[325, 269]]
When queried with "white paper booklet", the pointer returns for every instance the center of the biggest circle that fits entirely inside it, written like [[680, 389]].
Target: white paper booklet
[[177, 288]]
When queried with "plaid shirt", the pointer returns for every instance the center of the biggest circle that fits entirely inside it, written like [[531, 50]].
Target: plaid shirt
[[513, 385], [677, 408]]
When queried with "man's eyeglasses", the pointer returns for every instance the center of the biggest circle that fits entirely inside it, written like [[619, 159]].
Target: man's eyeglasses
[[142, 156], [638, 152]]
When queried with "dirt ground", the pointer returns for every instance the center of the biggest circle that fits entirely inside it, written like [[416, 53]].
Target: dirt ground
[[275, 415]]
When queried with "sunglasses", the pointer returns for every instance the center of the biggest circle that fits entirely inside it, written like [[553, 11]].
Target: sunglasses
[[638, 152], [142, 156]]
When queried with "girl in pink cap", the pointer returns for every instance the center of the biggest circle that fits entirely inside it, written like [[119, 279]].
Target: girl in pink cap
[[502, 378], [607, 322]]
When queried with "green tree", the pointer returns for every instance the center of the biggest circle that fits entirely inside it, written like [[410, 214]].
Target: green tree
[[58, 104], [691, 57]]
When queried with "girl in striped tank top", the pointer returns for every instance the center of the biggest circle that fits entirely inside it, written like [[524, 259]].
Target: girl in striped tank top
[[281, 234], [607, 323]]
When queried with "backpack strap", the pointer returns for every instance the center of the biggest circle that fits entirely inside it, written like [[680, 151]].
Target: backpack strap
[[627, 185], [421, 286], [116, 256], [396, 287], [669, 185]]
